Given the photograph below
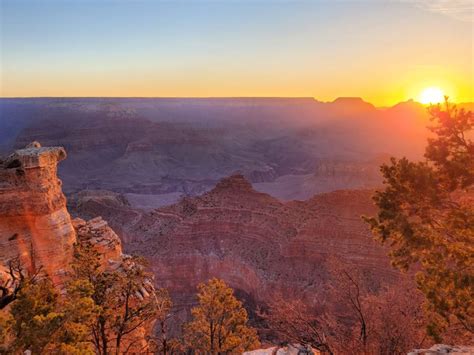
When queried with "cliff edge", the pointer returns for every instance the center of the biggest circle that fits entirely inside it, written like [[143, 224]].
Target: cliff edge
[[35, 225]]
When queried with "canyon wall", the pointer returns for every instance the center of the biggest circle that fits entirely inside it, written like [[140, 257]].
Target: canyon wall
[[162, 149], [259, 245]]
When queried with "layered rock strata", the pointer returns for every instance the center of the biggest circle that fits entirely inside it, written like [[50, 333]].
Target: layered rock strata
[[34, 222], [37, 232], [257, 244]]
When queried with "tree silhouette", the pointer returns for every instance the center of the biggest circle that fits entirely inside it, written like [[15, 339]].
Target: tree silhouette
[[426, 215]]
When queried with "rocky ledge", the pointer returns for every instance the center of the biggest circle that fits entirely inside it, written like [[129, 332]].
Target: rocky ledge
[[105, 241]]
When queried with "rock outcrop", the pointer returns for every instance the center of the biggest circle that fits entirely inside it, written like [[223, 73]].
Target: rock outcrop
[[256, 243], [37, 232], [34, 222], [104, 239], [290, 349], [35, 225], [440, 349]]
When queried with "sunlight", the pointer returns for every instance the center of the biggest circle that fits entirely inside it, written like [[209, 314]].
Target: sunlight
[[431, 95]]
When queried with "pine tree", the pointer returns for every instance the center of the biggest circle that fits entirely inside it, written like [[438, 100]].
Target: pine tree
[[42, 321], [79, 311], [426, 215], [219, 323], [120, 296], [35, 317]]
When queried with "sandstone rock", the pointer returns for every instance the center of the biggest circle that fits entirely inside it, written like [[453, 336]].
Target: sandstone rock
[[256, 243], [34, 222], [35, 156], [104, 239], [439, 349], [291, 349], [36, 226]]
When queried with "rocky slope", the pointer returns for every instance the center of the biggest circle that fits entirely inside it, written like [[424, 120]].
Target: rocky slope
[[256, 243]]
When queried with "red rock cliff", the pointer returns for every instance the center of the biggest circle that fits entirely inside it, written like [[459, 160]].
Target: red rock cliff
[[36, 226], [34, 222]]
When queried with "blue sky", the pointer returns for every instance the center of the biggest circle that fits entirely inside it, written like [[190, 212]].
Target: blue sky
[[381, 50]]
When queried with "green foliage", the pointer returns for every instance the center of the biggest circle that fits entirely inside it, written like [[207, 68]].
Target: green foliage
[[79, 312], [99, 311], [86, 262], [426, 215], [219, 322], [34, 317], [5, 323], [43, 322], [122, 298], [138, 305]]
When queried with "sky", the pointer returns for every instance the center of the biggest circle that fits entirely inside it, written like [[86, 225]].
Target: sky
[[384, 51]]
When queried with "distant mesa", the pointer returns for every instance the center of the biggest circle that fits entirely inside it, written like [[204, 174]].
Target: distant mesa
[[349, 99], [353, 103]]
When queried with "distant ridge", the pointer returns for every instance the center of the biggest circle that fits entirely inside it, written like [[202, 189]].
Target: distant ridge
[[343, 100]]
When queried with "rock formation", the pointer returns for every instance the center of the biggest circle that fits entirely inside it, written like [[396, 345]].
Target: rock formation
[[440, 349], [290, 349], [185, 146], [104, 239], [34, 222], [37, 231], [256, 243]]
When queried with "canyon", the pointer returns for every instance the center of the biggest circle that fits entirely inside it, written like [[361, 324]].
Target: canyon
[[257, 244], [159, 150], [259, 192]]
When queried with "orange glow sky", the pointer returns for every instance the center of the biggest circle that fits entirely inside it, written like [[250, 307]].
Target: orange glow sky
[[382, 51]]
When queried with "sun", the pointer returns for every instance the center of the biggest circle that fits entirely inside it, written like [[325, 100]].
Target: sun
[[431, 95]]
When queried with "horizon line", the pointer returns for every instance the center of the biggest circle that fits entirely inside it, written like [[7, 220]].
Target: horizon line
[[221, 98]]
